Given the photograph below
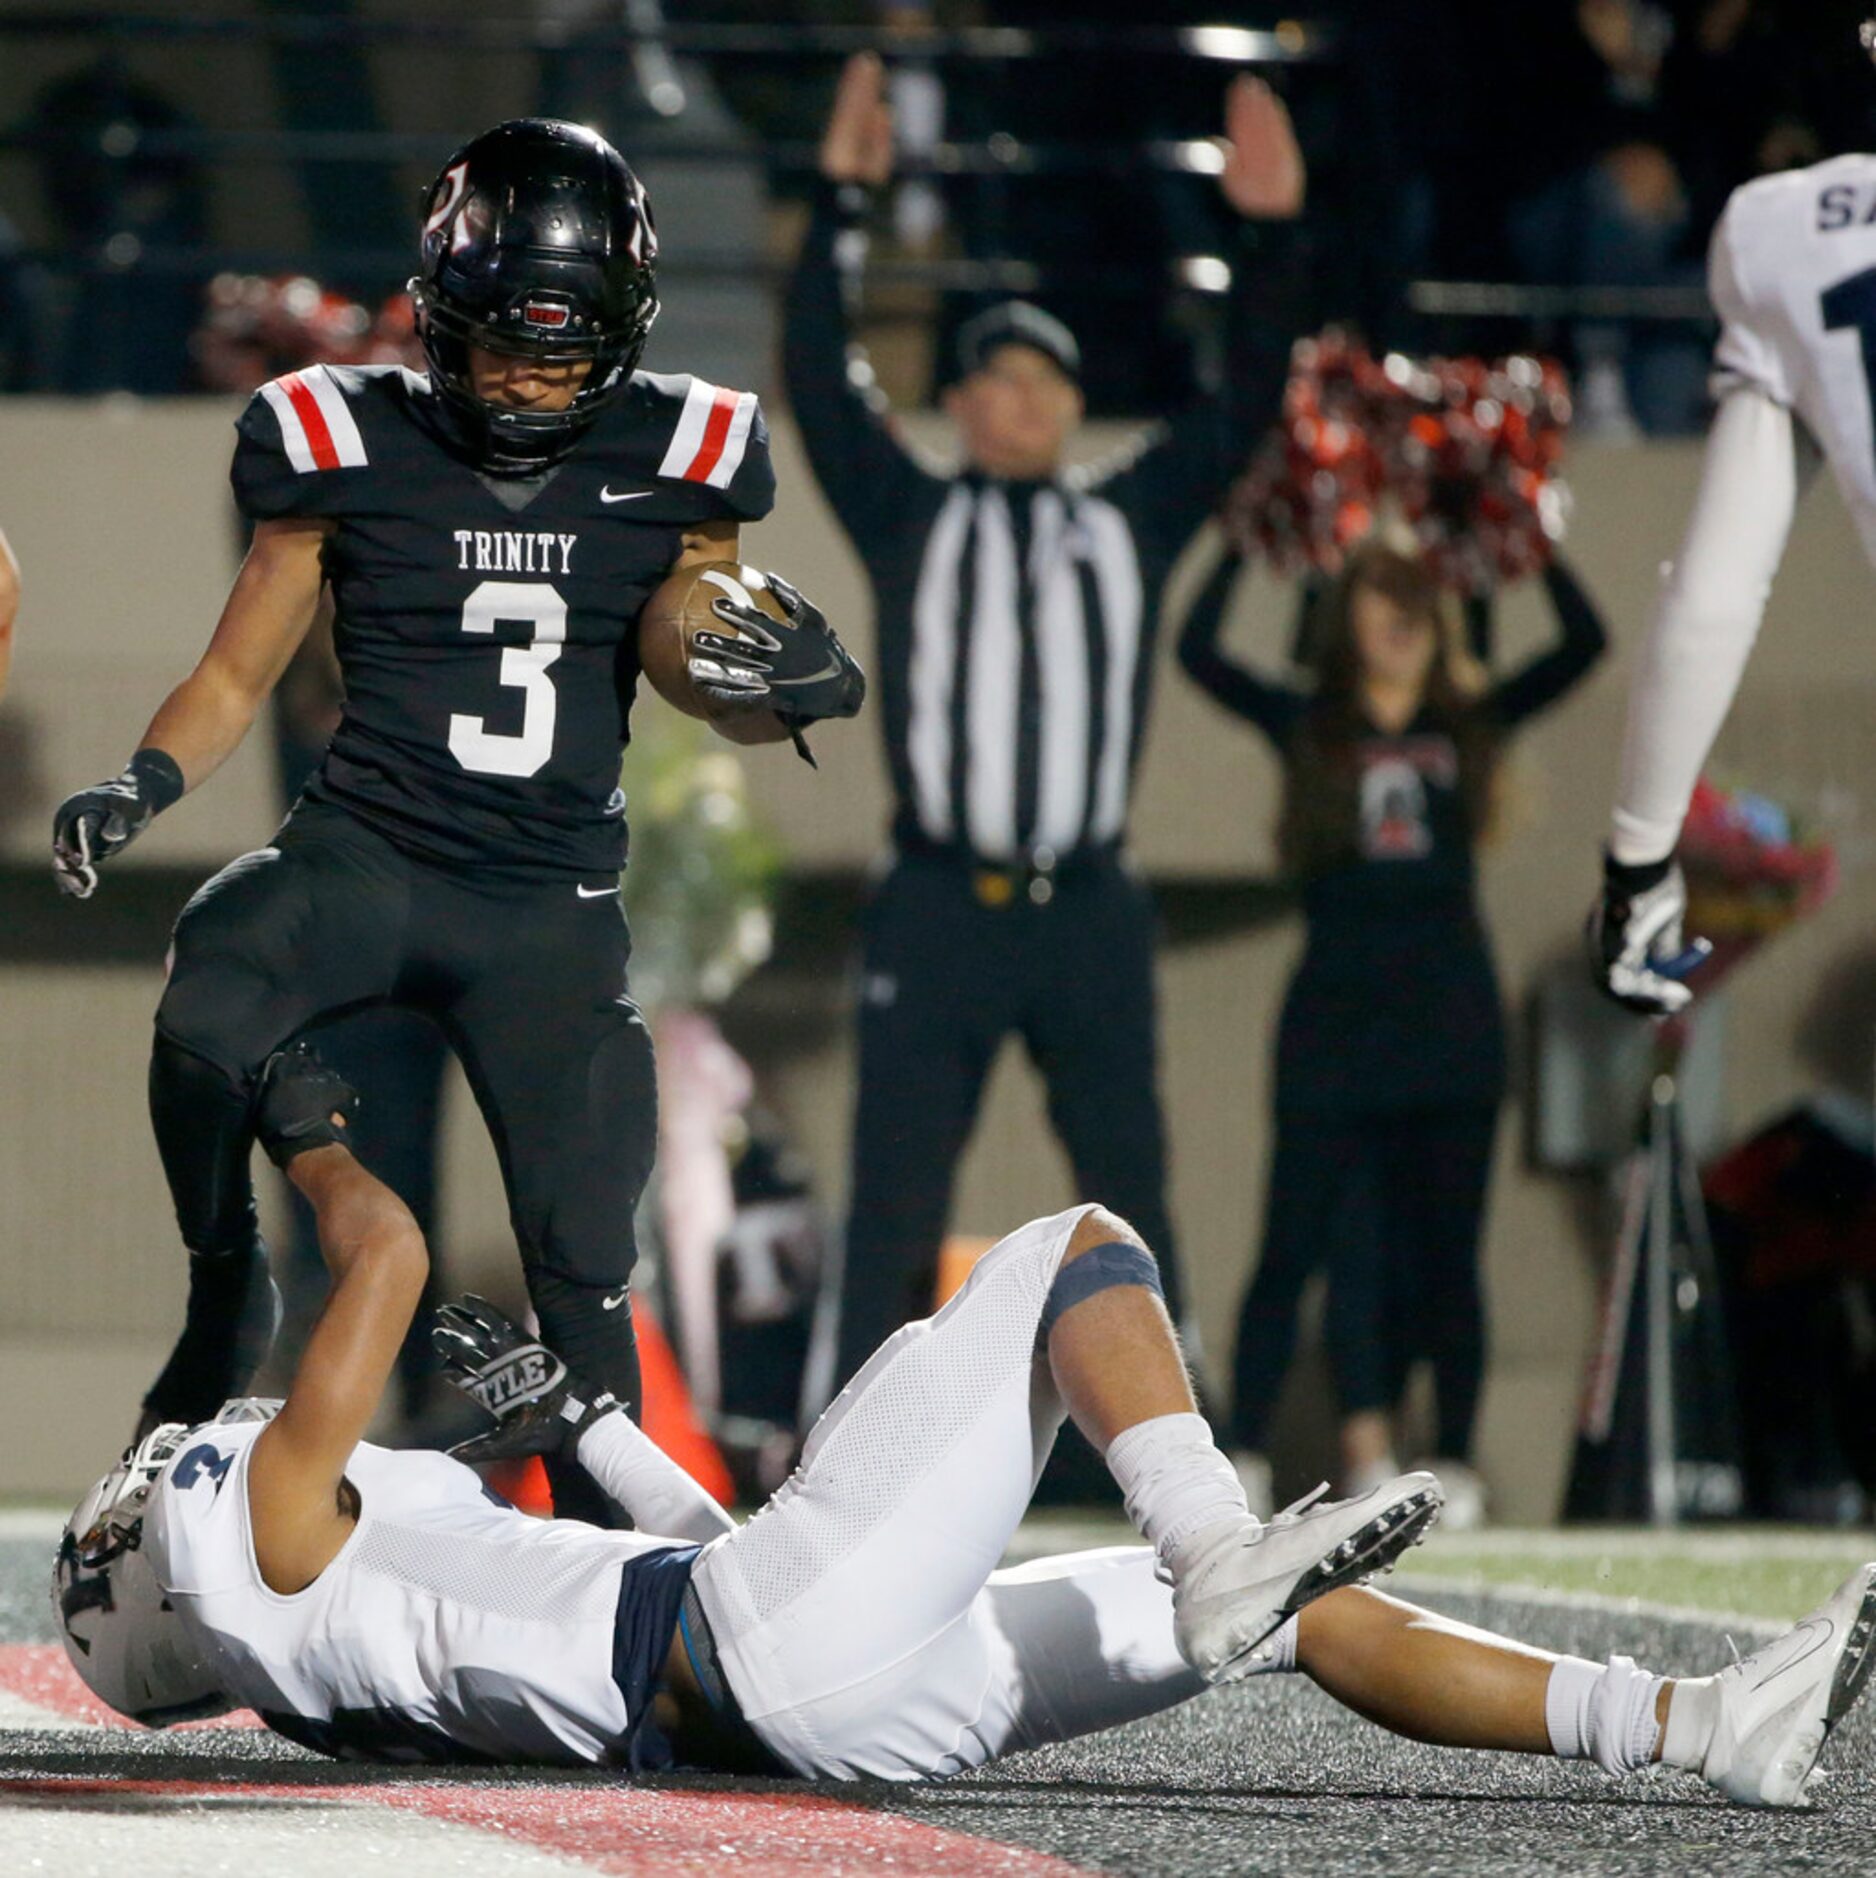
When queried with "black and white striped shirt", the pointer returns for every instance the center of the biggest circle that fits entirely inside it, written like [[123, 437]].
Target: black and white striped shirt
[[1015, 620]]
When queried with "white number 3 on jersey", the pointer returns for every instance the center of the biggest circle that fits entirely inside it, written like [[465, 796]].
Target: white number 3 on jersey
[[518, 753]]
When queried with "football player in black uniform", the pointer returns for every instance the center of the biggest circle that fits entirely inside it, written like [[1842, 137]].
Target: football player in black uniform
[[490, 533]]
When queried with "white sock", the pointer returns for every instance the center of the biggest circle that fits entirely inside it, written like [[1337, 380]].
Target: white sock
[[1605, 1715], [1693, 1708], [1174, 1479]]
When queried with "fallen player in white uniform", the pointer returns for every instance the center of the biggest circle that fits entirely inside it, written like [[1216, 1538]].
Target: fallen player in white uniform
[[1791, 272], [387, 1606]]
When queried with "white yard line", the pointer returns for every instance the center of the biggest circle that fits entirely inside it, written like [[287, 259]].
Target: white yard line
[[1472, 1585], [29, 1717], [32, 1522], [242, 1836], [1725, 1545]]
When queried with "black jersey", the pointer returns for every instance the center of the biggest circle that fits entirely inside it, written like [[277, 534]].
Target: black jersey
[[486, 627]]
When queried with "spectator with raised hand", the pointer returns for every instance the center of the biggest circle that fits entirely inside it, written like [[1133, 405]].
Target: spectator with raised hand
[[1015, 607], [1390, 1052]]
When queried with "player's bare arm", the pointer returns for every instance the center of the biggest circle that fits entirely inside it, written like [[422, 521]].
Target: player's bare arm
[[199, 724], [298, 1506], [9, 607], [269, 609]]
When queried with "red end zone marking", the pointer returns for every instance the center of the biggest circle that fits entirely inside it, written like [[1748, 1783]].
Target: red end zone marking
[[694, 1835], [313, 420], [624, 1830], [649, 1833], [38, 1673], [716, 433]]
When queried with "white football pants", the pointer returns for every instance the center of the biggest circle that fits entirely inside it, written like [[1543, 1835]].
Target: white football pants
[[860, 1617]]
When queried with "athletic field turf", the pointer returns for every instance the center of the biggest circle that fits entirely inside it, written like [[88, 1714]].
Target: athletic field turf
[[1268, 1777]]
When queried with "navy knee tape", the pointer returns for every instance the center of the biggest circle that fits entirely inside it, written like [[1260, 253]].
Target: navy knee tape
[[1099, 1269]]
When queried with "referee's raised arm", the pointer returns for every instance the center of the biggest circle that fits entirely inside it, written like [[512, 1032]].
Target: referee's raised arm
[[1169, 482], [863, 470]]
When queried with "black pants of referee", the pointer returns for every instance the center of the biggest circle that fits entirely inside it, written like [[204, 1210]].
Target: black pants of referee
[[953, 962], [527, 981]]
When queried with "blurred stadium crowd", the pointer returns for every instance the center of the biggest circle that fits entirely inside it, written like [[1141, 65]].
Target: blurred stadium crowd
[[1561, 146]]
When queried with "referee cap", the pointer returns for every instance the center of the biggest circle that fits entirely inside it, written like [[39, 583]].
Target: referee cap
[[1017, 323]]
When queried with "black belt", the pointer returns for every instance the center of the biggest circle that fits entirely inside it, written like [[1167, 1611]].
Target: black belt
[[1031, 881], [713, 1733]]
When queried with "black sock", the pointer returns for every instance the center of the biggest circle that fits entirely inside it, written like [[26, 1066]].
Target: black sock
[[590, 1328]]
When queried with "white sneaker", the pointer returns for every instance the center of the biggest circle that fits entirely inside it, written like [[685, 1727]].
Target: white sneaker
[[1253, 1473], [1465, 1494], [1778, 1705], [1235, 1582]]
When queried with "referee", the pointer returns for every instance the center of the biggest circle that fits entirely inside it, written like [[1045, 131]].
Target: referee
[[1015, 607]]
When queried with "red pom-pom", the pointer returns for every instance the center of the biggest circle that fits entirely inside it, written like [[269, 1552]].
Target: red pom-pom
[[1465, 449]]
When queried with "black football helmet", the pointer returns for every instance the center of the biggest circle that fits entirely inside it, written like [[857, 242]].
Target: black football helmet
[[538, 239]]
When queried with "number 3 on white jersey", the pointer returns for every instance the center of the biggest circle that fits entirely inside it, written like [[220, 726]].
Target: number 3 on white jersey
[[523, 752]]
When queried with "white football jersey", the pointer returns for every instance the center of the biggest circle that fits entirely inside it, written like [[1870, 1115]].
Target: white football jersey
[[1792, 274], [450, 1627]]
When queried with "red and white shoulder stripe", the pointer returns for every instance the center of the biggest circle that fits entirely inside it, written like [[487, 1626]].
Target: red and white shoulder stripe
[[712, 434], [316, 425]]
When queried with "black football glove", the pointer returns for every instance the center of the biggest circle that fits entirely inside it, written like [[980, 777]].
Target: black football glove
[[799, 670], [539, 1405], [105, 819], [294, 1105], [1636, 952]]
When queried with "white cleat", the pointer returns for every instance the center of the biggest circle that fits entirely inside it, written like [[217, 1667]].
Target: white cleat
[[1234, 1583], [1778, 1705]]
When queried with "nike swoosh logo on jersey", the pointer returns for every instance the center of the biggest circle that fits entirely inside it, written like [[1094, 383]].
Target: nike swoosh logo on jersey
[[625, 495], [612, 1304], [596, 893]]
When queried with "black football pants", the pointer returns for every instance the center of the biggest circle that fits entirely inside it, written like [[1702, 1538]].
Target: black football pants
[[945, 978], [527, 981]]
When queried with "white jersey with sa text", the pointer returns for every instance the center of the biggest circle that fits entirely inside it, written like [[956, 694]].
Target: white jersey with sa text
[[1792, 274], [449, 1628]]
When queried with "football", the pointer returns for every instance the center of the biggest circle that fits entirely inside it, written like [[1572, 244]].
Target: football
[[680, 608]]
